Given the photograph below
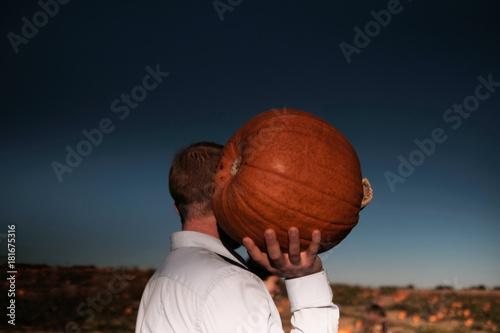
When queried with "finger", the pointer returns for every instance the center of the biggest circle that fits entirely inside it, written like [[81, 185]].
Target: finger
[[273, 248], [255, 253], [252, 249], [294, 246], [248, 243], [313, 248], [258, 256]]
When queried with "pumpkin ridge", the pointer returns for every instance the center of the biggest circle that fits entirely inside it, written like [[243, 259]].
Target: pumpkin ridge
[[227, 207], [275, 200], [344, 147], [340, 198], [244, 226], [253, 209], [311, 217], [324, 136]]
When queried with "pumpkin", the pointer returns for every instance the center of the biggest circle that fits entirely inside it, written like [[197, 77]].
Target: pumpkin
[[287, 168]]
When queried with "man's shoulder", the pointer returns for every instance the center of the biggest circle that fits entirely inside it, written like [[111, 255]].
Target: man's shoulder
[[192, 259], [199, 269]]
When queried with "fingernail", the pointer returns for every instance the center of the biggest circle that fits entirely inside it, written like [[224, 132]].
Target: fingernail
[[268, 234]]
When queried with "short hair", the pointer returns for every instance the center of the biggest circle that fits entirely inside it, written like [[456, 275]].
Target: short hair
[[191, 177]]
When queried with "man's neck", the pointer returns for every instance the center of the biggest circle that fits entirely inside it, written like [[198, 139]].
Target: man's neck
[[205, 225]]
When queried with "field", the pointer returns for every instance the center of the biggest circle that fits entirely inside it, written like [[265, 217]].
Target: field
[[88, 299], [416, 310]]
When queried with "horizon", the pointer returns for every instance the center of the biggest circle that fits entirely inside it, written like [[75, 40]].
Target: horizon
[[442, 287]]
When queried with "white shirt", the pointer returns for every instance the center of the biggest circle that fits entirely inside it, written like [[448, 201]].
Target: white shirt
[[195, 290]]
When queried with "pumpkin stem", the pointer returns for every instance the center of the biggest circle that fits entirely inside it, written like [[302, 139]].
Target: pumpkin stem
[[367, 193], [236, 164]]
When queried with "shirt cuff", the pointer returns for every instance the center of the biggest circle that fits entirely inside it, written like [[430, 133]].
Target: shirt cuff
[[310, 291]]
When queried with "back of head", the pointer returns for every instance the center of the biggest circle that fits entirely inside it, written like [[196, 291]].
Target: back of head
[[190, 179], [374, 319]]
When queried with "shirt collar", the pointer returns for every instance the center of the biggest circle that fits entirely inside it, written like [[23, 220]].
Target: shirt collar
[[197, 239]]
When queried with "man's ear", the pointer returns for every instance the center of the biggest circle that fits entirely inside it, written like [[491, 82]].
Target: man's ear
[[177, 210], [181, 211], [367, 193]]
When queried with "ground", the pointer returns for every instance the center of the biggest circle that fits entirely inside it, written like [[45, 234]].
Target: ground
[[89, 299]]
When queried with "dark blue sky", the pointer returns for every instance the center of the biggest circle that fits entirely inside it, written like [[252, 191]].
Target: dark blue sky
[[440, 225]]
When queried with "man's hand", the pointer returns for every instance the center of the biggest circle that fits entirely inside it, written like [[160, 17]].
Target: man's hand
[[289, 265]]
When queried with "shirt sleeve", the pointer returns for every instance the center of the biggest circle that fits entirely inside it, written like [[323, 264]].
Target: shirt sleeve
[[311, 304], [241, 303]]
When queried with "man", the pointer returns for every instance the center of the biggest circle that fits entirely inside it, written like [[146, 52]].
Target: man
[[203, 285]]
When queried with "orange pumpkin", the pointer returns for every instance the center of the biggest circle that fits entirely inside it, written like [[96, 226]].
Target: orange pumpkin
[[287, 168]]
